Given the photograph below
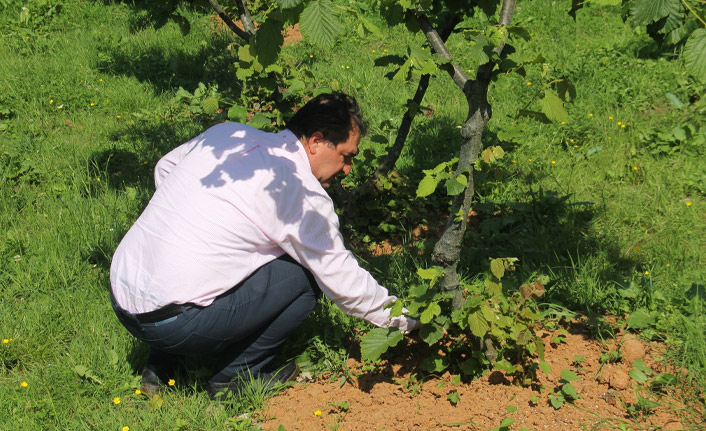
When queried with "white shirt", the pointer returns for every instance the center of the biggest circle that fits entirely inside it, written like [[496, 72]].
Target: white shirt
[[227, 202]]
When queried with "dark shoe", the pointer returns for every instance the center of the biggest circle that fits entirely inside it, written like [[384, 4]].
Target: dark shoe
[[267, 380], [156, 374]]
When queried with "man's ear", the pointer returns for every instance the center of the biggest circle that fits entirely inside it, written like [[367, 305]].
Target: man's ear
[[314, 141]]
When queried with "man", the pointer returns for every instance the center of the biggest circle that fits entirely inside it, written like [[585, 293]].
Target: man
[[228, 257]]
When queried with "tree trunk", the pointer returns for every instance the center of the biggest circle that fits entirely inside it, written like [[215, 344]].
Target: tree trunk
[[447, 251]]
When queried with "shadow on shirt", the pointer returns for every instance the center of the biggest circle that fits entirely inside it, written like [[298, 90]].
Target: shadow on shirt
[[248, 150]]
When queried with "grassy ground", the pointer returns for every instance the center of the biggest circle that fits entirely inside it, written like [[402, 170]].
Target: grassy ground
[[616, 216]]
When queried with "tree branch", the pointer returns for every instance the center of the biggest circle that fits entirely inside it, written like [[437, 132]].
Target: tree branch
[[245, 17], [437, 43], [229, 22]]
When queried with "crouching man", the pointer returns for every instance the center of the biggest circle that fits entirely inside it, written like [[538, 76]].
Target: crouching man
[[239, 239]]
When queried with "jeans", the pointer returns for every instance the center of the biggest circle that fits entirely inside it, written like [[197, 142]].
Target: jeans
[[244, 328]]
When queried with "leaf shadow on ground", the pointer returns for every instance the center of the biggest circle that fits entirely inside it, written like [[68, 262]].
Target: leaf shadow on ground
[[168, 68]]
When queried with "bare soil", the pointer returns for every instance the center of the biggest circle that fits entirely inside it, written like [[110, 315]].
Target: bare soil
[[381, 399]]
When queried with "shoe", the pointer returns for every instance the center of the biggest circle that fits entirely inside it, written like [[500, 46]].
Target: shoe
[[156, 372], [267, 380]]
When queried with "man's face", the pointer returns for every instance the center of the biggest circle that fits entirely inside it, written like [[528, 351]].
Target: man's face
[[328, 161]]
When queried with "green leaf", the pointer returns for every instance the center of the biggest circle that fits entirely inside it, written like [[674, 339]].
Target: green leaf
[[640, 365], [432, 274], [674, 101], [435, 364], [431, 333], [553, 107], [569, 390], [453, 397], [644, 12], [504, 365], [640, 319], [507, 422], [377, 341], [319, 23], [497, 267], [427, 186], [156, 402], [238, 113], [638, 375], [288, 4], [210, 105], [478, 325], [430, 312], [544, 366], [556, 401], [369, 26], [695, 54], [396, 308], [268, 41], [568, 375], [260, 121], [511, 409], [454, 186]]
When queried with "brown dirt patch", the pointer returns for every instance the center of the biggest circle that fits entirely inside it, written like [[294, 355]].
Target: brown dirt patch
[[380, 401]]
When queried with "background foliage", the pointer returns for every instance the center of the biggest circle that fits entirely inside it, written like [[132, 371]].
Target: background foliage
[[606, 205]]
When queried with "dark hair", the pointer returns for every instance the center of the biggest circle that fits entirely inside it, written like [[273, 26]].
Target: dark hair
[[332, 114]]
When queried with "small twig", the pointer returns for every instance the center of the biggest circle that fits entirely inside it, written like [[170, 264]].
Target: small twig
[[229, 22]]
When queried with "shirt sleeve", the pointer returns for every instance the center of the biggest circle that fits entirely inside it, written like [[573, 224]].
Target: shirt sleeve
[[316, 242]]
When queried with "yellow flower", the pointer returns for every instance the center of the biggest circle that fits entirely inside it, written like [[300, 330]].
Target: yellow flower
[[373, 51], [571, 140], [93, 104], [529, 160], [23, 384], [126, 428], [553, 162], [619, 123], [98, 178], [637, 248], [647, 272], [100, 80], [688, 203], [171, 382], [590, 114], [51, 101], [668, 265], [610, 118], [5, 341], [529, 83], [138, 392], [514, 161], [116, 400], [317, 413], [635, 168], [118, 116], [311, 55], [348, 67], [576, 146], [563, 122], [343, 67], [384, 50]]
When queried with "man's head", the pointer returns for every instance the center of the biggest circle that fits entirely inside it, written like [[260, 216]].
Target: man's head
[[329, 126]]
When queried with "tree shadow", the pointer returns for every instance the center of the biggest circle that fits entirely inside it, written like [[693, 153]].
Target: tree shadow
[[168, 69]]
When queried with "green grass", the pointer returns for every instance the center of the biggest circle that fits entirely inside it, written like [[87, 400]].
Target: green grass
[[85, 108]]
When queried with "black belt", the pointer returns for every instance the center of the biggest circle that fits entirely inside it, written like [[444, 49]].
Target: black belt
[[154, 316], [160, 314]]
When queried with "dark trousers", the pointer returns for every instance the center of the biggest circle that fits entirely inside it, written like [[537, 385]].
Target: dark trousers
[[244, 328]]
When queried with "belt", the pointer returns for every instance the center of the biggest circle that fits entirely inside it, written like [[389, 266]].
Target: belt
[[160, 314]]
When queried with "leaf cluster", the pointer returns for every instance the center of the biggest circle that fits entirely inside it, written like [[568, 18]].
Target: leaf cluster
[[489, 317]]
